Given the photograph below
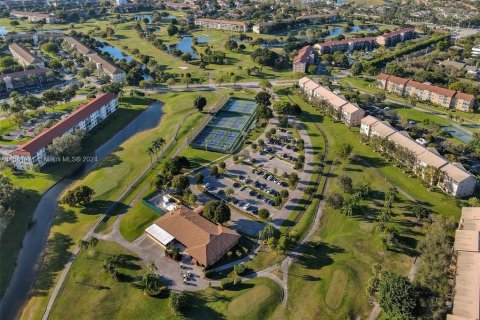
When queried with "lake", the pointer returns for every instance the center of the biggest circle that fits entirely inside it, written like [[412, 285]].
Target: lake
[[336, 31], [186, 44], [3, 31]]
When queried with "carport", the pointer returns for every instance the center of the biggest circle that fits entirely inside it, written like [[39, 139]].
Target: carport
[[159, 235]]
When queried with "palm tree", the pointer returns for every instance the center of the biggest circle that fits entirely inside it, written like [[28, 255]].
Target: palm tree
[[151, 266], [158, 144], [92, 242], [110, 268], [82, 244], [150, 152], [347, 208], [5, 107]]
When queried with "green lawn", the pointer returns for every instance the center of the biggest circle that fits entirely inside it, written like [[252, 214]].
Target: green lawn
[[109, 180], [95, 295], [352, 244], [368, 85], [36, 183]]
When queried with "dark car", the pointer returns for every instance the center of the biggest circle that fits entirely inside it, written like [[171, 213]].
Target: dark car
[[236, 185], [253, 193]]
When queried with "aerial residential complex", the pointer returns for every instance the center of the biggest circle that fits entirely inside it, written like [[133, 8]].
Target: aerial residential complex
[[24, 56], [205, 241], [368, 43], [108, 68], [306, 57], [466, 266], [33, 16], [34, 152], [426, 92], [25, 79], [455, 180], [347, 112], [232, 25]]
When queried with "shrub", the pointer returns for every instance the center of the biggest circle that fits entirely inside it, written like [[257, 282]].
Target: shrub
[[226, 283], [239, 269], [178, 301], [263, 213]]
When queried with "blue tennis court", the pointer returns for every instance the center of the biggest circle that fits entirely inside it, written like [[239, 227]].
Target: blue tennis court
[[227, 126]]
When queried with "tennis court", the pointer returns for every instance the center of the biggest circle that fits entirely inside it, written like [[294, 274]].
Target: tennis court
[[227, 126], [241, 106]]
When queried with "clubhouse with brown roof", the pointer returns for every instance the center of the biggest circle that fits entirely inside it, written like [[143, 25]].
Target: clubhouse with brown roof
[[205, 241]]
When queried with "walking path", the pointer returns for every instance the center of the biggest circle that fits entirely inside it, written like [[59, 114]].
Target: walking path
[[91, 231]]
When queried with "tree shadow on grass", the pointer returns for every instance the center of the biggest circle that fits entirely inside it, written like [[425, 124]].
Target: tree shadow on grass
[[64, 215], [104, 206], [56, 256], [317, 257], [109, 161], [198, 308]]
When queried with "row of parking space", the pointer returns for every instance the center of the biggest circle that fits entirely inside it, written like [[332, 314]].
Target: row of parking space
[[244, 198], [243, 171]]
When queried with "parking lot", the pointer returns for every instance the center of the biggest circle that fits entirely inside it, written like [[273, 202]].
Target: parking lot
[[258, 179]]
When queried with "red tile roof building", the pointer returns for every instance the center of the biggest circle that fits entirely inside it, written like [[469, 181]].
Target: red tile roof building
[[304, 59], [426, 92], [206, 241], [392, 38], [24, 56], [24, 79], [86, 117]]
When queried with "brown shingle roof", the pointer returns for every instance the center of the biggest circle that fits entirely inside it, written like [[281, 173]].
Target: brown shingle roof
[[205, 241], [24, 53], [383, 76], [25, 73], [464, 96], [235, 22], [398, 80], [46, 137], [79, 46], [110, 67]]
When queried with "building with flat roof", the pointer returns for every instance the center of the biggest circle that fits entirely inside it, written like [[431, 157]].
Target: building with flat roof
[[466, 248], [24, 56], [205, 241], [33, 16], [220, 24], [426, 92], [34, 153], [454, 179]]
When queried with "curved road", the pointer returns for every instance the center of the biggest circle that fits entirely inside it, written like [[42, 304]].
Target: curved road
[[29, 258]]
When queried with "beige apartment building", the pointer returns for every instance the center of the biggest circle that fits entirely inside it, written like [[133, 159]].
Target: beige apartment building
[[426, 92], [455, 180], [231, 25], [24, 57]]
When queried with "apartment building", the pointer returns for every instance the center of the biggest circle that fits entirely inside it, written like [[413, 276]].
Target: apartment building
[[347, 112], [24, 57], [33, 37], [346, 45], [306, 57], [318, 18], [426, 92], [24, 79], [34, 152], [108, 68], [76, 3], [349, 45], [394, 37], [230, 25], [33, 16], [266, 27], [455, 180], [466, 263]]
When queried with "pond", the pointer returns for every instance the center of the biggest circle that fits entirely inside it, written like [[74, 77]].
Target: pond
[[141, 17], [119, 54], [3, 31], [458, 133], [186, 44], [114, 51], [336, 31]]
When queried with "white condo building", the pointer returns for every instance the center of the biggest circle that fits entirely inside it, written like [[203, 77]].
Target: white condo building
[[34, 152]]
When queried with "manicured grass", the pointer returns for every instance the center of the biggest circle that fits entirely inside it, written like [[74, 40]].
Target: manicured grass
[[255, 299], [109, 179], [97, 296], [368, 85], [336, 289], [352, 244], [36, 183]]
